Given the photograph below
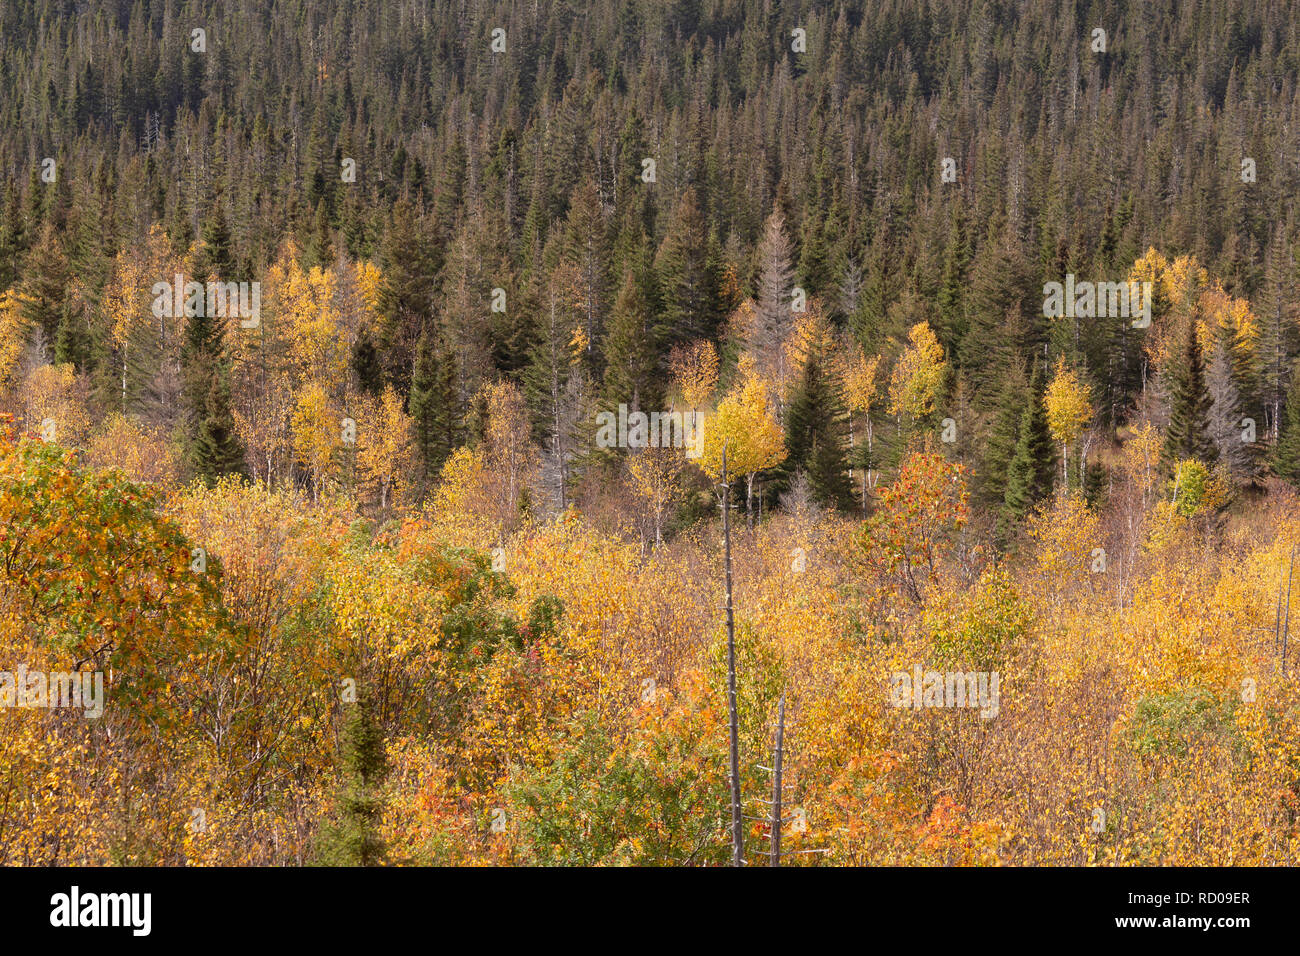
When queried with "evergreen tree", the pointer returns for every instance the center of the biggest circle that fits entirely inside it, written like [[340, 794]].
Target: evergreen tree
[[1033, 465], [631, 351], [12, 236], [951, 324], [1005, 317], [215, 255], [352, 838], [410, 268], [44, 285], [999, 446], [211, 444], [365, 364], [432, 405], [1286, 458], [1188, 434], [815, 440], [687, 278], [217, 450]]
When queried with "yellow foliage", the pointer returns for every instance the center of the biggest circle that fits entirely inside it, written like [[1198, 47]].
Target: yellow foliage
[[745, 425], [918, 375]]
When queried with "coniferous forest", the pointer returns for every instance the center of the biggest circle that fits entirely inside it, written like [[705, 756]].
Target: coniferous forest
[[506, 432]]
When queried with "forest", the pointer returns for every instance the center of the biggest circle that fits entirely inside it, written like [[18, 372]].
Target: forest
[[458, 433]]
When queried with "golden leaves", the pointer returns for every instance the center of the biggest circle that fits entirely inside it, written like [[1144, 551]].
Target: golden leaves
[[918, 374], [746, 425], [1066, 401]]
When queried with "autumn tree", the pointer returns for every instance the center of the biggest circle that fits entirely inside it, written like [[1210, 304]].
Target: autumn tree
[[695, 372], [1068, 413], [918, 375], [384, 445], [655, 475], [745, 425], [916, 525], [861, 391], [508, 453], [317, 434]]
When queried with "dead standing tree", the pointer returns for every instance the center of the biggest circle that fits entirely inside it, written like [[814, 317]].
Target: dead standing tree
[[737, 828]]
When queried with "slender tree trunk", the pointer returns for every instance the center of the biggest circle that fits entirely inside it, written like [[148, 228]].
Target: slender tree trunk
[[1286, 625], [776, 784], [737, 832], [1277, 624], [749, 501]]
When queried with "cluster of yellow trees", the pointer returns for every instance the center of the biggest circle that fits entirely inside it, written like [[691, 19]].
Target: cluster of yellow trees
[[560, 698], [292, 394], [551, 689]]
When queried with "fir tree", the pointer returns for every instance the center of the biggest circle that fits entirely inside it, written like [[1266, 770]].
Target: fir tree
[[432, 405], [215, 257], [688, 277], [631, 351], [1286, 458], [410, 267], [1188, 434], [814, 438], [951, 324], [999, 447], [212, 447], [352, 838], [217, 450], [1033, 464], [365, 364]]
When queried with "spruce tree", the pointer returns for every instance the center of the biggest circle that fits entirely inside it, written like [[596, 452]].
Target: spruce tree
[[410, 264], [44, 284], [12, 236], [212, 447], [365, 364], [999, 446], [631, 350], [950, 326], [1033, 465], [432, 405], [352, 837], [687, 266], [1286, 458], [217, 450], [815, 440], [215, 256], [1188, 434]]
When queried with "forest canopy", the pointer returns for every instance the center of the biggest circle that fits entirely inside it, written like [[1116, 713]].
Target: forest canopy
[[376, 375]]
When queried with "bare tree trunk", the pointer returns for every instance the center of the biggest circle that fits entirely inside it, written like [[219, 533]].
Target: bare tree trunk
[[1286, 624], [749, 501], [776, 784], [737, 833]]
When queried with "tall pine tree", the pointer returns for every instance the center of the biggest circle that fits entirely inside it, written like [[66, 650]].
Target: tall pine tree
[[1188, 434]]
